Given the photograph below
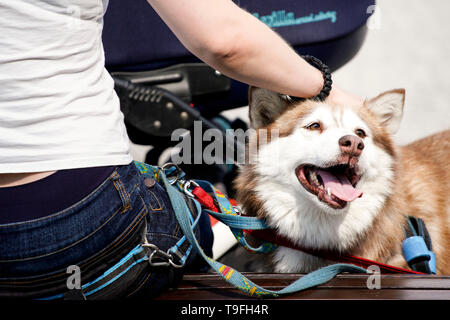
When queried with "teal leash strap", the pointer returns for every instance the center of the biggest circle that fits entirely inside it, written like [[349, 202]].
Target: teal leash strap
[[235, 278], [236, 222], [239, 222]]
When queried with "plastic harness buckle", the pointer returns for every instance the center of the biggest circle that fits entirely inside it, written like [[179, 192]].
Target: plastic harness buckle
[[417, 248], [416, 251]]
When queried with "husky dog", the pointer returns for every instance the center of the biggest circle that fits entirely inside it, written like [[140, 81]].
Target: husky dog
[[331, 178]]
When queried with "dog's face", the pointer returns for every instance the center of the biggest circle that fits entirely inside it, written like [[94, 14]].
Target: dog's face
[[327, 169]]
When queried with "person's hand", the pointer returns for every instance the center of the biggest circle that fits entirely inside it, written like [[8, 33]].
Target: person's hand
[[342, 97]]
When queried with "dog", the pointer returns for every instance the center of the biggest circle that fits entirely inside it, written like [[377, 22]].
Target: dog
[[330, 177]]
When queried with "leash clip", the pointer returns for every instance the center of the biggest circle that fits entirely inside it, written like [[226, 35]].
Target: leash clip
[[175, 175], [187, 185], [157, 253]]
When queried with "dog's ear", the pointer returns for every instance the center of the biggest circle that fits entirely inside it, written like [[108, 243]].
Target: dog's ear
[[265, 106], [388, 108]]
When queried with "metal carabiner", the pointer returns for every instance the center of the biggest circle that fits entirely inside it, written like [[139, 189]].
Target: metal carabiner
[[173, 264], [238, 210], [157, 252], [162, 255], [178, 171], [187, 185], [157, 264]]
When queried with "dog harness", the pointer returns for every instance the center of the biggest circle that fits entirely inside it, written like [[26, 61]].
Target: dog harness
[[417, 246]]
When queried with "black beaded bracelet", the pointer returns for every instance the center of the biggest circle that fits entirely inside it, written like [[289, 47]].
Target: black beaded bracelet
[[327, 82]]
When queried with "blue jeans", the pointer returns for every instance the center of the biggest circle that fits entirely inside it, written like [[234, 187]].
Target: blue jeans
[[93, 235]]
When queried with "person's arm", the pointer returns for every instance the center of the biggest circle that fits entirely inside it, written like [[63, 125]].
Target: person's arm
[[238, 45]]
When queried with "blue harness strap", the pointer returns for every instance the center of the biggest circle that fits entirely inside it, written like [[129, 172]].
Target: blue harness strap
[[136, 256], [234, 221]]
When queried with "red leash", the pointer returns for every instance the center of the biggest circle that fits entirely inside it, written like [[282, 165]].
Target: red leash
[[205, 199], [270, 235]]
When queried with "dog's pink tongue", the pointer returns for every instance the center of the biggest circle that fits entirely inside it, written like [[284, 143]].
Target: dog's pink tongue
[[339, 186]]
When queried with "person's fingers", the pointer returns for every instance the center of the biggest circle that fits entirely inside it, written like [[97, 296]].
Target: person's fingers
[[340, 96]]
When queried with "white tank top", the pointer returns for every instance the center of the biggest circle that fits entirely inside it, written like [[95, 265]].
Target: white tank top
[[58, 108]]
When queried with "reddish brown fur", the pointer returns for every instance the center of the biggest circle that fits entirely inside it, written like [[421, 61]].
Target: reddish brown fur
[[421, 188]]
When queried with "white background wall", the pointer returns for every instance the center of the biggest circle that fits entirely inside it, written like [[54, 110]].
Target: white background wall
[[410, 50]]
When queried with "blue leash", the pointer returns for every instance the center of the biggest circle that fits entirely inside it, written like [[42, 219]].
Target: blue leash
[[231, 275]]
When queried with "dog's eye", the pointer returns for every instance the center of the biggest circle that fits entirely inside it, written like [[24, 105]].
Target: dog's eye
[[360, 133], [314, 126]]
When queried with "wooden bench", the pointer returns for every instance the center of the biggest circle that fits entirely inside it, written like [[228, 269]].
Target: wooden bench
[[208, 286]]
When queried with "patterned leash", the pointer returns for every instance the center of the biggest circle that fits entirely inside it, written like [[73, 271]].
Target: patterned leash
[[227, 214]]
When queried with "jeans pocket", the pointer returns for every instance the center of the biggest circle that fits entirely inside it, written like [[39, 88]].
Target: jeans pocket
[[155, 196], [153, 202], [123, 193]]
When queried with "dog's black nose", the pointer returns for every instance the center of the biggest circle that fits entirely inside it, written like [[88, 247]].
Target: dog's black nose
[[351, 145]]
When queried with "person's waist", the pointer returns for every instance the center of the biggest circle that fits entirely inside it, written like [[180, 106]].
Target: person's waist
[[47, 195], [76, 232], [17, 179]]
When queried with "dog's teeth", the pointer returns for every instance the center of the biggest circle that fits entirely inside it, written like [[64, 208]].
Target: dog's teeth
[[329, 192], [313, 177]]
